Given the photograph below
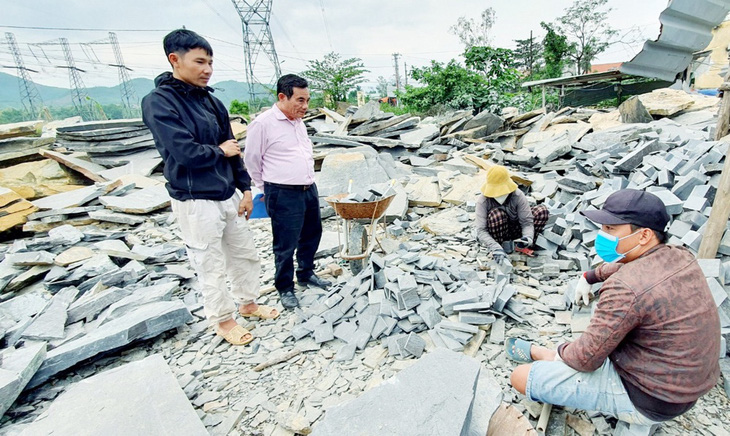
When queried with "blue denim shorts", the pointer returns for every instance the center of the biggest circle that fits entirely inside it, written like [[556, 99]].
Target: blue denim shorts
[[600, 390]]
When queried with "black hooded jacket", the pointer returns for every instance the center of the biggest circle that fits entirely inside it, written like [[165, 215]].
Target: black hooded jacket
[[188, 125]]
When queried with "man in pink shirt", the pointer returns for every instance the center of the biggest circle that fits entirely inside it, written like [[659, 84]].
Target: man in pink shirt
[[278, 158]]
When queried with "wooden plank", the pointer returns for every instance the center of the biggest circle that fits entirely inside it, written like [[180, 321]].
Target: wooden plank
[[342, 128], [332, 114], [720, 212]]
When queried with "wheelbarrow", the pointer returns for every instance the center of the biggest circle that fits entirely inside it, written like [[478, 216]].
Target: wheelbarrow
[[354, 219]]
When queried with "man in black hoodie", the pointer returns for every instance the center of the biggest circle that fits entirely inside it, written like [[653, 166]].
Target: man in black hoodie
[[210, 189]]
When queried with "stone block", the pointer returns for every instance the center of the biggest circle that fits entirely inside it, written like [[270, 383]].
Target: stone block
[[674, 204], [632, 160], [476, 318], [713, 268], [718, 291], [692, 240], [458, 326], [414, 345], [141, 397], [679, 228], [497, 333], [450, 300]]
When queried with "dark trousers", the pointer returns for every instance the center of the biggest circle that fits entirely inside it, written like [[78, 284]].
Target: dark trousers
[[296, 224], [501, 228]]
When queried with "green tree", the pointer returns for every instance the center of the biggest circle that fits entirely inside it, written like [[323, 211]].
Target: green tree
[[497, 65], [239, 107], [528, 55], [555, 51], [335, 77], [473, 33], [585, 23], [11, 115], [382, 87], [450, 85]]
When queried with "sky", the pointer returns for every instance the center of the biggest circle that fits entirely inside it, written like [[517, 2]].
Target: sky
[[302, 30]]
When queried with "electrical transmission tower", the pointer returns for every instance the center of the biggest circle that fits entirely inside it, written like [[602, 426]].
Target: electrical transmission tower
[[255, 15], [29, 96], [80, 98], [129, 98]]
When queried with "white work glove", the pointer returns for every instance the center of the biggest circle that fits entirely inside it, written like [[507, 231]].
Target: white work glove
[[499, 256], [523, 242], [582, 291]]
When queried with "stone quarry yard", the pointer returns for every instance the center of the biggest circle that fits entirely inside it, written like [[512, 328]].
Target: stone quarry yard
[[100, 275]]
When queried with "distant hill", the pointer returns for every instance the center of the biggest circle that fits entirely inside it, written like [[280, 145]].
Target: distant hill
[[52, 96]]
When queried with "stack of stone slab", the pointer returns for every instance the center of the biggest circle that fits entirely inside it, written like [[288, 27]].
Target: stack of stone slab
[[401, 295], [21, 141], [370, 125], [96, 295], [99, 137], [123, 201]]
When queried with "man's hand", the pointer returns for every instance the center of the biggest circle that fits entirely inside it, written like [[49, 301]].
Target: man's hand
[[523, 242], [582, 291], [246, 205], [230, 148]]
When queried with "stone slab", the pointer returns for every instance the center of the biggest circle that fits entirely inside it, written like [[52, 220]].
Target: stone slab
[[139, 202], [146, 322], [90, 305], [50, 324], [17, 367], [359, 165], [141, 397], [76, 162], [433, 396], [75, 198], [445, 223], [487, 399]]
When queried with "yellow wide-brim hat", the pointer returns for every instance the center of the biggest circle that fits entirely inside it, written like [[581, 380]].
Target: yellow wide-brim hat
[[498, 182]]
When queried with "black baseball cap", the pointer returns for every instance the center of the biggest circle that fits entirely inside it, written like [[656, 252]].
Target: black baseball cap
[[631, 206]]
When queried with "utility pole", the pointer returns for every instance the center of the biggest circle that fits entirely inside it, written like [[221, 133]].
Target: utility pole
[[405, 73], [255, 16], [79, 96], [29, 96], [529, 57], [130, 103], [397, 71]]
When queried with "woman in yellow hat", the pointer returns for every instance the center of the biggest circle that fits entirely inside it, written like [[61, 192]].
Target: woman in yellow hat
[[503, 215]]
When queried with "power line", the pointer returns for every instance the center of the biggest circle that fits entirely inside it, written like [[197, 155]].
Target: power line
[[326, 27], [82, 29]]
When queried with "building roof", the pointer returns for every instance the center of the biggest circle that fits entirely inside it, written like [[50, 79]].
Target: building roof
[[686, 28], [602, 68]]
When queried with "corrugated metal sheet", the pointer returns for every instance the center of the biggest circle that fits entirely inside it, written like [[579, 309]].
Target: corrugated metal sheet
[[686, 28]]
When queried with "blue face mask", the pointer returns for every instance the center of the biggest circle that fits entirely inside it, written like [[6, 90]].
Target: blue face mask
[[606, 246]]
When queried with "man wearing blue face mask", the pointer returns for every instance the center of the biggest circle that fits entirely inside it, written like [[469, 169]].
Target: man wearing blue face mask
[[652, 346]]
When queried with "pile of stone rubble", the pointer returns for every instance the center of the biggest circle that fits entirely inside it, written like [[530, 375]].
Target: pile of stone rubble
[[105, 280]]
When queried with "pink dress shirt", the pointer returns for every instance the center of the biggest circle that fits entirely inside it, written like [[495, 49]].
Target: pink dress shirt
[[278, 150]]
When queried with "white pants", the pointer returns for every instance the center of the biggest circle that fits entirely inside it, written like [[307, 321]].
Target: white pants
[[218, 240]]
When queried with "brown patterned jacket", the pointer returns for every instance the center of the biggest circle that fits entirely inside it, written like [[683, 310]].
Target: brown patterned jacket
[[657, 322]]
